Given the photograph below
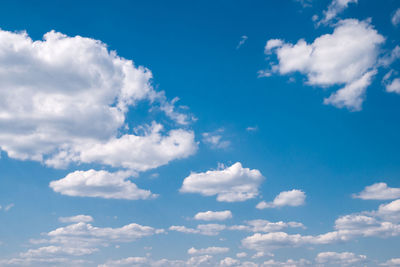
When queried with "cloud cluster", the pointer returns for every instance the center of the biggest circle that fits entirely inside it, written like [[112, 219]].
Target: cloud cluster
[[266, 226], [65, 99], [346, 57], [209, 250], [339, 259], [230, 184]]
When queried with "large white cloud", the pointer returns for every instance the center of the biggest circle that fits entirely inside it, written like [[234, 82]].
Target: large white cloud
[[230, 184], [64, 99], [378, 191], [102, 184], [348, 57], [292, 198]]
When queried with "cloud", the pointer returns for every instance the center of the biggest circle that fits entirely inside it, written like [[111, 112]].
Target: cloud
[[214, 215], [215, 139], [243, 39], [394, 86], [228, 261], [209, 250], [346, 57], [7, 207], [392, 262], [396, 17], [203, 229], [65, 99], [379, 191], [266, 226], [252, 129], [77, 218], [292, 198], [77, 240], [342, 259], [101, 184], [288, 263], [230, 184], [336, 7]]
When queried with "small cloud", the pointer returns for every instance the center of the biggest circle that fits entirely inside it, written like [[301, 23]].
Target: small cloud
[[396, 17], [292, 198], [243, 39], [252, 129], [215, 139], [8, 207]]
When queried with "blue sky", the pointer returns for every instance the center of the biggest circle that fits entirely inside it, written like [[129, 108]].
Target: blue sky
[[207, 133]]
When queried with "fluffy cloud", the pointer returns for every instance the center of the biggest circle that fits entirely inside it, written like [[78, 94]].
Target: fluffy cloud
[[396, 17], [336, 7], [266, 226], [288, 263], [342, 259], [230, 184], [214, 215], [378, 191], [292, 198], [209, 250], [77, 218], [346, 57], [65, 99], [228, 261], [102, 184], [203, 229]]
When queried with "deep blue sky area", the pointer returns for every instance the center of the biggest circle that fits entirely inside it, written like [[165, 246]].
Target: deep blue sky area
[[209, 55]]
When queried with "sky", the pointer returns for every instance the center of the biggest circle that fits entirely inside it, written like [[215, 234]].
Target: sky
[[200, 133]]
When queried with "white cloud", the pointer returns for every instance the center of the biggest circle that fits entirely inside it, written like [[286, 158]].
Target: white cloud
[[288, 263], [292, 198], [230, 184], [393, 86], [7, 207], [65, 99], [243, 39], [346, 57], [214, 215], [203, 229], [102, 184], [241, 255], [342, 259], [77, 240], [228, 261], [396, 17], [336, 7], [378, 191], [266, 226], [77, 218], [215, 139], [392, 262], [209, 250]]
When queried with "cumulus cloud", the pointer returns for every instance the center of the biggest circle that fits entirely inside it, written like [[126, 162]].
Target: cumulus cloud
[[65, 99], [203, 260], [342, 259], [230, 184], [77, 218], [214, 215], [228, 261], [348, 57], [101, 184], [379, 191], [336, 7], [209, 250], [211, 229], [393, 86], [292, 198], [266, 226], [288, 263], [396, 17]]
